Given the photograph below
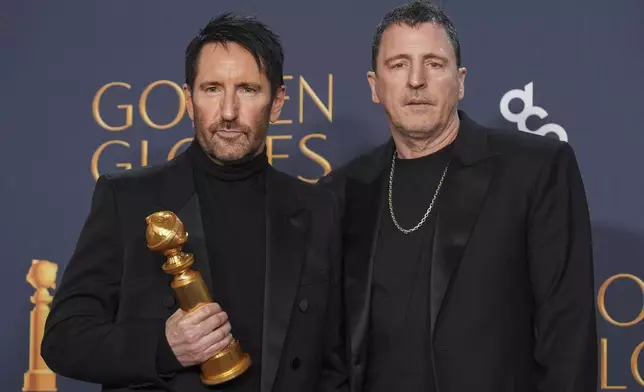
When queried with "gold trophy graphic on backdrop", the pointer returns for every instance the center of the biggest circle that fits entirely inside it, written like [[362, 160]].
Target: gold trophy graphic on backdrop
[[42, 276], [166, 234]]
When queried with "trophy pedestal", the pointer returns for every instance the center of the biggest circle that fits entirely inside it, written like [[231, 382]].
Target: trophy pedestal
[[225, 365], [40, 380]]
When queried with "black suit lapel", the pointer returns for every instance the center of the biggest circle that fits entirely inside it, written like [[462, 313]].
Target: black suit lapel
[[361, 226], [365, 199], [177, 193], [190, 214], [464, 194], [286, 235], [466, 185]]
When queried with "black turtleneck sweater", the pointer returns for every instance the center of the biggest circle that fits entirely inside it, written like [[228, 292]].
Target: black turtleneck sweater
[[232, 200]]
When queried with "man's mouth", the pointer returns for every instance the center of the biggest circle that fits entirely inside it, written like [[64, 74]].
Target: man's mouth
[[229, 131], [418, 102]]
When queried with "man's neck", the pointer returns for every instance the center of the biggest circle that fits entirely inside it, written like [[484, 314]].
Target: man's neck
[[409, 148]]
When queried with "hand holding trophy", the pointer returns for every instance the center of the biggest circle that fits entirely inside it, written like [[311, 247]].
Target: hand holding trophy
[[166, 234]]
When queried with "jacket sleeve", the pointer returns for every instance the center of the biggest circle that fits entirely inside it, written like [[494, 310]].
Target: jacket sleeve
[[82, 340], [335, 371], [562, 277]]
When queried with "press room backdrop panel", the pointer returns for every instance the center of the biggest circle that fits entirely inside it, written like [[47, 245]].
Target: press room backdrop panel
[[92, 87]]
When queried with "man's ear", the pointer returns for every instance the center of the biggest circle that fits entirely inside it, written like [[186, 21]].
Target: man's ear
[[372, 78], [462, 72], [188, 98], [278, 104]]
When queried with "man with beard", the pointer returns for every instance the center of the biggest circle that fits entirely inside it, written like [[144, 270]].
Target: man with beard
[[264, 242], [467, 250]]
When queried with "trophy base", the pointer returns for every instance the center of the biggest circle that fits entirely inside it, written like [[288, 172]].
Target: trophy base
[[225, 365], [40, 381]]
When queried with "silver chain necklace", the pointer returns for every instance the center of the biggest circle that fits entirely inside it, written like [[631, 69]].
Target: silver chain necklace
[[429, 209]]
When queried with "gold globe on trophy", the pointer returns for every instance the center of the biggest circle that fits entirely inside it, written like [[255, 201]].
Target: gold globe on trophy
[[42, 276], [166, 234]]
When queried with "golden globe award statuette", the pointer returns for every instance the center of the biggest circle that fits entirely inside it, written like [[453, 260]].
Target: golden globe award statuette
[[166, 234], [42, 276]]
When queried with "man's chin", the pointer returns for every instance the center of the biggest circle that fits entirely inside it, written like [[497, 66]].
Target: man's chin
[[233, 157], [417, 131]]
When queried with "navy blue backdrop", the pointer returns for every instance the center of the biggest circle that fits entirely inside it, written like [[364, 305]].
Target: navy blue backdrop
[[90, 82]]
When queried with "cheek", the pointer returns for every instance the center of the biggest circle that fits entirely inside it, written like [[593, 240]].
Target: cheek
[[254, 115], [446, 87], [390, 94], [206, 110]]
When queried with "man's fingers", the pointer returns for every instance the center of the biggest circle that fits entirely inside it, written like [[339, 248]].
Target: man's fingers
[[199, 334], [176, 315], [201, 313], [214, 337], [195, 333], [226, 328], [215, 321], [215, 348]]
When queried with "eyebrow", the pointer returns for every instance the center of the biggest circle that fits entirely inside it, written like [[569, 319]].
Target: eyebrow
[[403, 56], [207, 83]]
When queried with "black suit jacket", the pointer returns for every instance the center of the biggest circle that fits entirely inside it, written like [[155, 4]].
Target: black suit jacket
[[107, 320], [512, 296]]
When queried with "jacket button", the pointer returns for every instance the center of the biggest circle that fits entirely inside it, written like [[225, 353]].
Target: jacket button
[[304, 305], [168, 301], [295, 363]]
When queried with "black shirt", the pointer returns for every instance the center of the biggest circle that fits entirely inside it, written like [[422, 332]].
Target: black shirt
[[400, 354], [232, 200]]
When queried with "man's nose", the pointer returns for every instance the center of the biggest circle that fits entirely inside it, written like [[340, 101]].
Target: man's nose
[[230, 107]]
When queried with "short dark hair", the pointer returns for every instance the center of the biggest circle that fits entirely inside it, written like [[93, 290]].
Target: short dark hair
[[263, 43], [413, 14]]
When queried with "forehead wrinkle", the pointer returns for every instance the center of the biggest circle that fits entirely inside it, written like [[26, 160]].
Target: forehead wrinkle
[[427, 37], [237, 69]]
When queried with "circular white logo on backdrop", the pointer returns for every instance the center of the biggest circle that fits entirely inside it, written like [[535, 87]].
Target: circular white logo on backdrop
[[529, 109]]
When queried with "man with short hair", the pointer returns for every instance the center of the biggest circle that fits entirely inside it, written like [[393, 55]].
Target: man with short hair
[[467, 250], [265, 243]]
